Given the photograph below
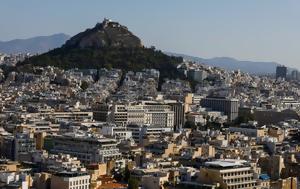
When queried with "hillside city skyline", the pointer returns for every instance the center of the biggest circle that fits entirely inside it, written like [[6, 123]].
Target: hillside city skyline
[[108, 108]]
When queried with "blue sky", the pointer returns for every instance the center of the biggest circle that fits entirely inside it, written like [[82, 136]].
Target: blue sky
[[264, 30]]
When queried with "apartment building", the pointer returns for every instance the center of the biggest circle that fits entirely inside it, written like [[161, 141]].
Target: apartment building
[[139, 132], [120, 133], [70, 180], [230, 174], [64, 116], [88, 149], [145, 112], [23, 144]]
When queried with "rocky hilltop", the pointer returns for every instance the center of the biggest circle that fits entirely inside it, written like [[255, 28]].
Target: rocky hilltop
[[105, 34]]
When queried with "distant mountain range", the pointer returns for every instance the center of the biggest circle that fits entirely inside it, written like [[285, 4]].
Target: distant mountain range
[[233, 64], [33, 45]]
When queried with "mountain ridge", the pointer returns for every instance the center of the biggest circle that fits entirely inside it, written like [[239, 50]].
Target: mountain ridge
[[34, 45], [229, 63]]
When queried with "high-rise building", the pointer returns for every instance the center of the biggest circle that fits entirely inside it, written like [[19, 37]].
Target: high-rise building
[[23, 144], [101, 112], [229, 106], [281, 72], [119, 114], [295, 75], [7, 147], [178, 109]]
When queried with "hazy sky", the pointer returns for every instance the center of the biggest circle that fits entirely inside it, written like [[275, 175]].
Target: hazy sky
[[265, 30]]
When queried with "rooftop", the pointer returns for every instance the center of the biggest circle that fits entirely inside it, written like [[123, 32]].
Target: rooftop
[[226, 163]]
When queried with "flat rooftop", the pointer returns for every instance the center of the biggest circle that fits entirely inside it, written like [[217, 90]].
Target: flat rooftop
[[226, 163]]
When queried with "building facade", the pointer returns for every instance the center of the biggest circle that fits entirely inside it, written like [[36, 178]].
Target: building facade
[[70, 180], [87, 149], [230, 174], [230, 107], [281, 72]]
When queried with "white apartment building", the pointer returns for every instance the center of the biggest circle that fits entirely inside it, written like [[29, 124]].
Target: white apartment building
[[88, 149], [64, 116], [146, 112], [40, 126], [14, 180], [119, 114], [141, 131], [70, 180], [230, 174], [120, 133]]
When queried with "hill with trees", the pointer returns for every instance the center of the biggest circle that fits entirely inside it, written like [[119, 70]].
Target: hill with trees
[[107, 45]]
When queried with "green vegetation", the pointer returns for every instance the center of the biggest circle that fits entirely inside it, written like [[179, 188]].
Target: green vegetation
[[107, 46], [133, 183], [134, 59], [84, 85], [126, 174], [244, 117], [190, 125]]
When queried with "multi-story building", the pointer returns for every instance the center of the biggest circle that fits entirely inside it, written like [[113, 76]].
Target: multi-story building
[[120, 133], [101, 112], [178, 109], [146, 112], [136, 114], [230, 174], [295, 75], [23, 144], [15, 180], [158, 114], [251, 130], [141, 131], [119, 114], [230, 107], [88, 149], [18, 146], [7, 146], [70, 180], [197, 75], [40, 126], [281, 72], [62, 162], [65, 116]]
